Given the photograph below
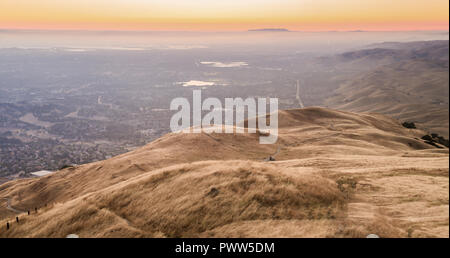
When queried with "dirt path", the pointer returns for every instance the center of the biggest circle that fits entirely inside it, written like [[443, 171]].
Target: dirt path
[[272, 157], [9, 206], [409, 203]]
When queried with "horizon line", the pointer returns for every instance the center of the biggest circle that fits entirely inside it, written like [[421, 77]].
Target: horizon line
[[253, 30]]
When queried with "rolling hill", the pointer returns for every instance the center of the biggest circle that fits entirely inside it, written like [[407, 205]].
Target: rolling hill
[[334, 174], [408, 81]]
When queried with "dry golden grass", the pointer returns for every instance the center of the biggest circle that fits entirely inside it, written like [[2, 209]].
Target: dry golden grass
[[338, 174], [414, 90], [186, 200]]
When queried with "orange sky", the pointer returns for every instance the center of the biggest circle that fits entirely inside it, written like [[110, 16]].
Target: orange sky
[[219, 15]]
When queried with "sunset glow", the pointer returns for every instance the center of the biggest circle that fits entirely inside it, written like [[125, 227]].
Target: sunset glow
[[230, 15]]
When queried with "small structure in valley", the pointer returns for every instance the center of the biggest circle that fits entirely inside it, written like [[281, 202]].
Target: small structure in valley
[[41, 173]]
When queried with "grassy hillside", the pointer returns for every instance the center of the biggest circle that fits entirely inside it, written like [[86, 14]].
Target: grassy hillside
[[336, 174], [408, 81]]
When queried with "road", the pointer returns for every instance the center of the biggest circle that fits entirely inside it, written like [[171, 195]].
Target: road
[[300, 102]]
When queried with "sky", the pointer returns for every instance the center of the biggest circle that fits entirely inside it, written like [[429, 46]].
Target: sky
[[225, 15]]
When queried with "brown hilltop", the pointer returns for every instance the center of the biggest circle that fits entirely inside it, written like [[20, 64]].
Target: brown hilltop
[[333, 172]]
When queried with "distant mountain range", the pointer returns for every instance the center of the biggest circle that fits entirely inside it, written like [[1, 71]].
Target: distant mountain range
[[270, 29]]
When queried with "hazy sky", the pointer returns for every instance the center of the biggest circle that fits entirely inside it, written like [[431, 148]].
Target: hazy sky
[[209, 15]]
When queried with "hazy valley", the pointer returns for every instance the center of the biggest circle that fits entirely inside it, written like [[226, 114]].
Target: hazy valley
[[346, 165], [63, 106]]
